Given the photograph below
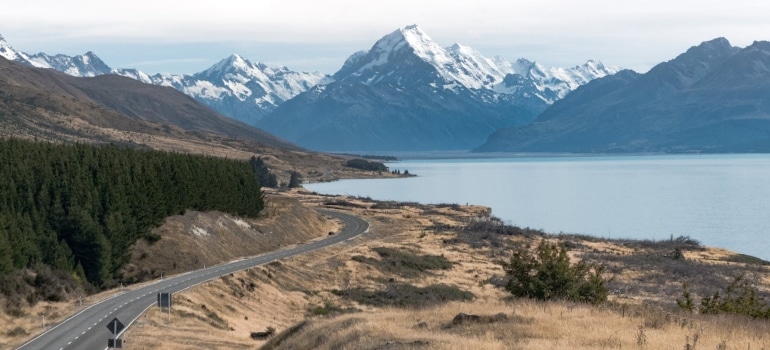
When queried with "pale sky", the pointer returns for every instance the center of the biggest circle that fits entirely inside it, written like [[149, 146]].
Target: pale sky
[[189, 36]]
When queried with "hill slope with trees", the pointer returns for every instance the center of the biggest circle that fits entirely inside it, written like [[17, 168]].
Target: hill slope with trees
[[75, 209]]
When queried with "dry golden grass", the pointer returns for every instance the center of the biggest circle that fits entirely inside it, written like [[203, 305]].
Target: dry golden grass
[[529, 325], [301, 290], [301, 293], [195, 239]]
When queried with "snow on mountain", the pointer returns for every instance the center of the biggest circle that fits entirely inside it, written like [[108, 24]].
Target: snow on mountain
[[265, 84], [461, 66], [237, 87], [86, 65], [404, 60], [7, 51], [409, 93], [552, 84], [234, 86], [134, 74]]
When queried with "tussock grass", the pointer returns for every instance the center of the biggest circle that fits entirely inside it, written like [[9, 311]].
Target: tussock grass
[[406, 295], [300, 296], [530, 325], [404, 263]]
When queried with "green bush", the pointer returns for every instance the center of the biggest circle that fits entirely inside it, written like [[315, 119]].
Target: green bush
[[547, 274]]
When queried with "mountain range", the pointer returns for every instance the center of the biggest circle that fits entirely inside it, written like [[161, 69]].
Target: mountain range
[[712, 98], [406, 93], [47, 104], [235, 87]]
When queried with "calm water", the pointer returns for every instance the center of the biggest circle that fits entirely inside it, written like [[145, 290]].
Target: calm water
[[720, 200]]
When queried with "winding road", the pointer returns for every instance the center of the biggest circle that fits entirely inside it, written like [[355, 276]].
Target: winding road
[[88, 329]]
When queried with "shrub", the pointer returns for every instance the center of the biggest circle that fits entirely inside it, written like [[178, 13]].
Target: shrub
[[547, 274], [739, 297], [405, 263], [407, 295]]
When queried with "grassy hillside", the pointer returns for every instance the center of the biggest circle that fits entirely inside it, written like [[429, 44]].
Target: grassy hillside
[[404, 284]]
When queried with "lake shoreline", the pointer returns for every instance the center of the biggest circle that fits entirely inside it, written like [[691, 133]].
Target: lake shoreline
[[716, 199]]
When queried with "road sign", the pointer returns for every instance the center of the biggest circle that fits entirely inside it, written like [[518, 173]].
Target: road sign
[[164, 299], [115, 343], [115, 326]]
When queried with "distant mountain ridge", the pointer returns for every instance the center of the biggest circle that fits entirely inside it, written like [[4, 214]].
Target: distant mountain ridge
[[409, 93], [56, 106], [235, 87], [712, 98], [406, 93]]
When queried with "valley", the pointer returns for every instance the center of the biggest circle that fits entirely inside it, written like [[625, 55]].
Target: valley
[[116, 179]]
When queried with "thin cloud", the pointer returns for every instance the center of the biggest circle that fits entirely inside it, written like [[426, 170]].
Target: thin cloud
[[629, 34]]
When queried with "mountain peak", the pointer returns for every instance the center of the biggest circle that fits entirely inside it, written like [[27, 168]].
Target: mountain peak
[[416, 36], [410, 35], [719, 46], [7, 51], [235, 59]]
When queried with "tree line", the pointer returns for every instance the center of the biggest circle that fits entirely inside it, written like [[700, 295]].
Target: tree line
[[78, 208]]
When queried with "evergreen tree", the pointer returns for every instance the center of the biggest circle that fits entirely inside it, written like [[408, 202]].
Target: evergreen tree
[[6, 264], [79, 208], [263, 174], [295, 180]]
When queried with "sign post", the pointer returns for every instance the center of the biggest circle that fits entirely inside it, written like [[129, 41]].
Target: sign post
[[115, 327], [164, 300]]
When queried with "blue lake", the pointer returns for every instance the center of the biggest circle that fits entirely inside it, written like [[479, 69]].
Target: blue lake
[[720, 200]]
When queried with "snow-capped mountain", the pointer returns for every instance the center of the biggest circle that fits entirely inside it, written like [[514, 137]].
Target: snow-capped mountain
[[460, 65], [406, 93], [409, 93], [7, 51], [238, 88], [86, 65], [235, 87]]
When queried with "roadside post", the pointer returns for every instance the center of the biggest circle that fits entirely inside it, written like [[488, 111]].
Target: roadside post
[[164, 300], [115, 327]]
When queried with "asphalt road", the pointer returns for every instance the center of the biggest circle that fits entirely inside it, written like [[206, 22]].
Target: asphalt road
[[88, 329]]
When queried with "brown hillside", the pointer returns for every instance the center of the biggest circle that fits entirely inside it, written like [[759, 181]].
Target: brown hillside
[[58, 92]]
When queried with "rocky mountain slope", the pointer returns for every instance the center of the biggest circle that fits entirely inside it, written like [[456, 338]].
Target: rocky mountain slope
[[409, 93], [712, 98]]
